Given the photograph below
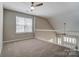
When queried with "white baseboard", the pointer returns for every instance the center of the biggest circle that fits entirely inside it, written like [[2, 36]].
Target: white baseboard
[[16, 40]]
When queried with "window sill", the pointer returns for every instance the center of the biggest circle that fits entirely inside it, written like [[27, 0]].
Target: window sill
[[25, 33]]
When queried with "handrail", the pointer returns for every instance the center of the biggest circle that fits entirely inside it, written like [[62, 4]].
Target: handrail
[[55, 30], [45, 30]]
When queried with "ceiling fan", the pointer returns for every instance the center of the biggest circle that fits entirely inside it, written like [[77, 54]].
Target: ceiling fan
[[33, 5]]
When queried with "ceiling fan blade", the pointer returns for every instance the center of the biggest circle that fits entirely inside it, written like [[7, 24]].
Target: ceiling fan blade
[[40, 4]]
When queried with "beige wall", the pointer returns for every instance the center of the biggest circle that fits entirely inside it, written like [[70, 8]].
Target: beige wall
[[1, 26], [42, 23], [10, 26]]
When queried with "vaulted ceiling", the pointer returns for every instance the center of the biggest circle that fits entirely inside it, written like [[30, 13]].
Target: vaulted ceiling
[[56, 12]]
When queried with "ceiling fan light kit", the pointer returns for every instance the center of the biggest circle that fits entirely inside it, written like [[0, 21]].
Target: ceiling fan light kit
[[33, 5], [32, 8]]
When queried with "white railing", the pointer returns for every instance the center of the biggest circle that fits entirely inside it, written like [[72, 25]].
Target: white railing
[[58, 42]]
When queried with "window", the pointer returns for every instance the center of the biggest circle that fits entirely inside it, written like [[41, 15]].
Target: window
[[23, 24]]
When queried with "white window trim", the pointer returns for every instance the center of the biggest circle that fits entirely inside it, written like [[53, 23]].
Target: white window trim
[[25, 31]]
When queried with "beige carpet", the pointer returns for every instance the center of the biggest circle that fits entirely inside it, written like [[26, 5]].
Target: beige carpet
[[32, 48]]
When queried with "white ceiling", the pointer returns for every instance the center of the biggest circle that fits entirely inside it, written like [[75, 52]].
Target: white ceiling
[[56, 12]]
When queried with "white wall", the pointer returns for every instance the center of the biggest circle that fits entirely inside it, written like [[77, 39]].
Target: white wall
[[1, 26]]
